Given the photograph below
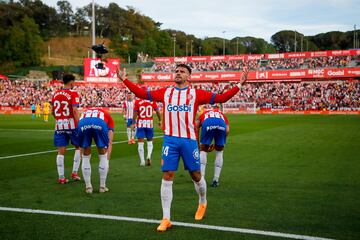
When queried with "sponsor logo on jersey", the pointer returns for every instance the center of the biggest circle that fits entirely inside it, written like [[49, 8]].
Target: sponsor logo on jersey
[[176, 108]]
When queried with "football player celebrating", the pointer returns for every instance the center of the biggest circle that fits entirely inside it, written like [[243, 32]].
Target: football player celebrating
[[180, 106]]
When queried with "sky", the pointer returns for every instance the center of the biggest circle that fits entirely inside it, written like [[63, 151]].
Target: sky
[[239, 18]]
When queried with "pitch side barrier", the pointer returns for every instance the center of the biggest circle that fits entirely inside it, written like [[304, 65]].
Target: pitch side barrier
[[291, 112], [262, 76], [270, 56], [25, 110]]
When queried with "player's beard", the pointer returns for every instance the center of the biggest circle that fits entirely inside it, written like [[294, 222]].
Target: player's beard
[[179, 80]]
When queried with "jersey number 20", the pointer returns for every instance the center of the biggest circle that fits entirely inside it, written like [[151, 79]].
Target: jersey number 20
[[145, 111]]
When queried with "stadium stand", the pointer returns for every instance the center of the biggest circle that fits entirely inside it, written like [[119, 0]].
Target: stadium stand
[[327, 80]]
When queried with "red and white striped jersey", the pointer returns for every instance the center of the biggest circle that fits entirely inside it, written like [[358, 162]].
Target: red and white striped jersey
[[63, 102], [145, 110], [99, 113], [129, 109], [213, 113], [180, 107]]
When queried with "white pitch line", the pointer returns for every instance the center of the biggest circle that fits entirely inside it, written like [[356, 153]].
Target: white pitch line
[[38, 130], [39, 153], [182, 224]]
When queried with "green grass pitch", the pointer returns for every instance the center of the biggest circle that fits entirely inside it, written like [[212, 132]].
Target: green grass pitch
[[289, 174]]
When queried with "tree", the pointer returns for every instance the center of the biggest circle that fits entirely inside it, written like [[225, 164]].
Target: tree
[[23, 46], [332, 40], [284, 41], [46, 17], [66, 16], [256, 45], [81, 21]]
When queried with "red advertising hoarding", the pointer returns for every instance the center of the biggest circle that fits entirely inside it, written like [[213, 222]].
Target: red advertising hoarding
[[282, 75], [103, 74], [244, 57]]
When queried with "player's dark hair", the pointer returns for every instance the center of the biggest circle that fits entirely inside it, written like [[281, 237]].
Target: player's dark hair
[[184, 66], [68, 78]]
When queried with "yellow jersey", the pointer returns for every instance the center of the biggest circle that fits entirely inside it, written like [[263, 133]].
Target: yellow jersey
[[46, 107]]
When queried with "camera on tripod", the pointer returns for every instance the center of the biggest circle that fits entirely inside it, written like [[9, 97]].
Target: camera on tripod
[[100, 49]]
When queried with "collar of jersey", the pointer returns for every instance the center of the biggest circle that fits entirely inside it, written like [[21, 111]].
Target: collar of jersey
[[181, 88]]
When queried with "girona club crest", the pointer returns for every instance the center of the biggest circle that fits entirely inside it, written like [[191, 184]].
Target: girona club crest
[[196, 154]]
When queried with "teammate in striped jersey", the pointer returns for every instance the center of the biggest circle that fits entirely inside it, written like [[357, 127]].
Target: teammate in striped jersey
[[180, 106], [214, 126], [128, 117], [65, 103], [144, 123], [97, 124]]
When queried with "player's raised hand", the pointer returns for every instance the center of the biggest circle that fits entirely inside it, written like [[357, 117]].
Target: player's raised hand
[[121, 74], [244, 75], [243, 78]]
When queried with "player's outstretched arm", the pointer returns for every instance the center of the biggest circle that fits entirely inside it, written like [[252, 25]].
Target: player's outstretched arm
[[225, 96]]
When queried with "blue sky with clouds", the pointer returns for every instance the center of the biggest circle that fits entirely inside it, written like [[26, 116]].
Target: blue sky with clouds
[[257, 18]]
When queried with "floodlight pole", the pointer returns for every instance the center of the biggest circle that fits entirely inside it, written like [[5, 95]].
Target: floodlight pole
[[174, 38], [224, 42], [354, 36], [93, 27], [191, 47], [237, 46], [295, 42]]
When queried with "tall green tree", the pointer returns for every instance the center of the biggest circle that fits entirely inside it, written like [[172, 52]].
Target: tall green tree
[[284, 41], [81, 21], [23, 47], [332, 40], [45, 17], [66, 16], [256, 45]]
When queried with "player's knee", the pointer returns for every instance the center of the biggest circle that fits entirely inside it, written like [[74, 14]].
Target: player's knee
[[61, 150], [168, 176], [102, 151], [87, 151], [196, 176], [205, 148], [219, 148]]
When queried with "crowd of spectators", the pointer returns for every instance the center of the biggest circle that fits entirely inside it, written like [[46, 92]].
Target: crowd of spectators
[[264, 64], [329, 95], [24, 93]]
